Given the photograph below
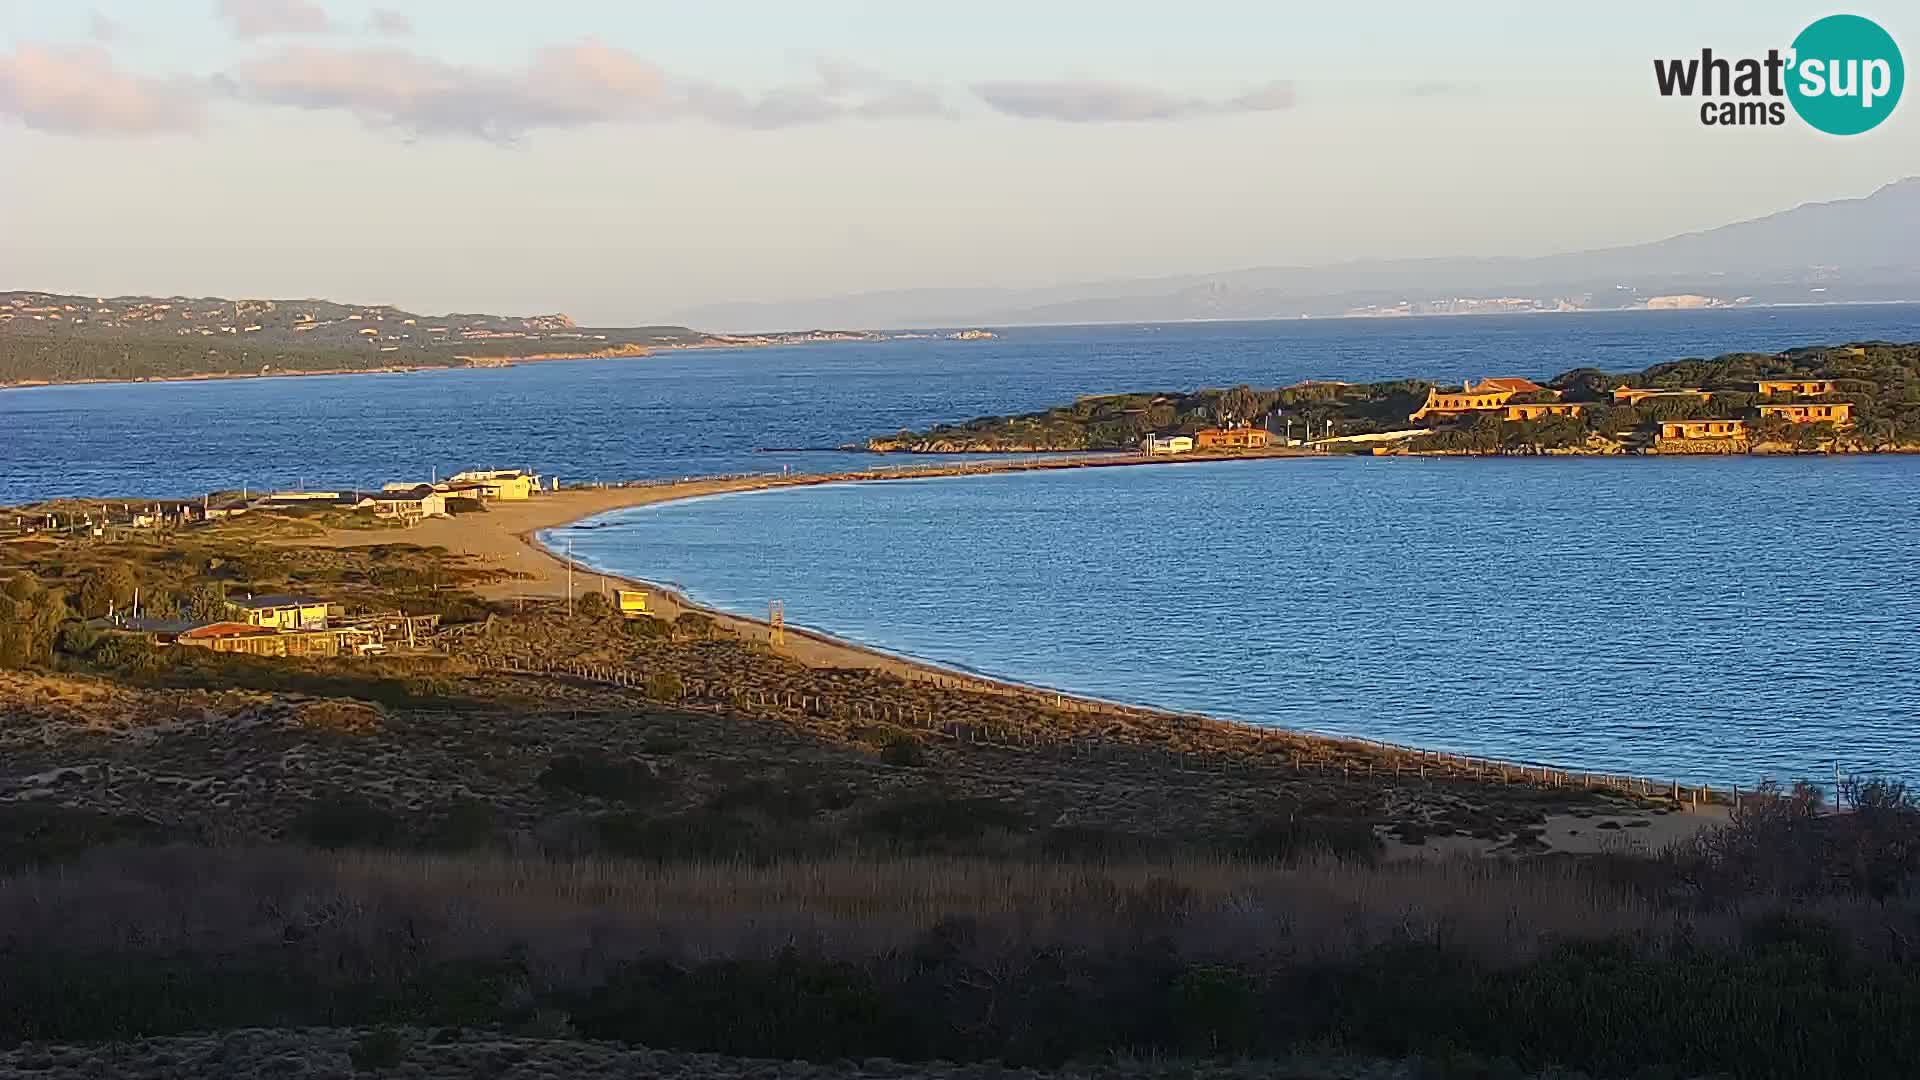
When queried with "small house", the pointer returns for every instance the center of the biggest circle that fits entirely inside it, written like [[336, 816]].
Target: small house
[[281, 612], [410, 505], [630, 603], [1161, 446]]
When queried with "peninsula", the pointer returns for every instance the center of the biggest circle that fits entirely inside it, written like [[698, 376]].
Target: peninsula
[[55, 338], [1860, 397]]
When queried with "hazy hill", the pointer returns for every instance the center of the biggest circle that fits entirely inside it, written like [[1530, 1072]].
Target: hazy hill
[[1847, 250], [52, 337]]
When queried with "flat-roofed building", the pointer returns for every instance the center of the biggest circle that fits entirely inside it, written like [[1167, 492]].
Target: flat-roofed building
[[1796, 387], [1837, 412]]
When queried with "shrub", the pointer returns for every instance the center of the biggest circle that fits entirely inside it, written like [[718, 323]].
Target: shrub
[[694, 626], [904, 751], [593, 605], [622, 780], [938, 824], [378, 1050], [345, 821], [665, 686], [649, 628]]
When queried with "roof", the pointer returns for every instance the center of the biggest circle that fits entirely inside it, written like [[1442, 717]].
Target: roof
[[405, 494], [274, 600], [1518, 386], [227, 630]]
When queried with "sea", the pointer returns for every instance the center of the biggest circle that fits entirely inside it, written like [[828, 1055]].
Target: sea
[[1709, 620]]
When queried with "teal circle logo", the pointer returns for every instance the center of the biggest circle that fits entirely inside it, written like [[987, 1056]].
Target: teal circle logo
[[1847, 75]]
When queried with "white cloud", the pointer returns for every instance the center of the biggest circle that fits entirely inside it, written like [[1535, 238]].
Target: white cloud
[[561, 86], [80, 90]]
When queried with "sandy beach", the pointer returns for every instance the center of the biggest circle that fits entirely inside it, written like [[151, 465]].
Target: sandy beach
[[505, 538]]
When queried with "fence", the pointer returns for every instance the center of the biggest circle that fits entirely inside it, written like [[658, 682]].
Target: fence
[[1272, 747]]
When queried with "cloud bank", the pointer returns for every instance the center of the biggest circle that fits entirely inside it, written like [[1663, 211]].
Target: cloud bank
[[79, 89], [563, 86]]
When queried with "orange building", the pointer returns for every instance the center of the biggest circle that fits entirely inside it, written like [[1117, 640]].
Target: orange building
[[1536, 411], [1797, 387], [1634, 395], [1704, 429], [1489, 395], [1231, 439], [1836, 413]]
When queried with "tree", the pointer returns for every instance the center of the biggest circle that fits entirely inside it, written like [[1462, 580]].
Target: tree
[[593, 605], [30, 618], [205, 602], [108, 589]]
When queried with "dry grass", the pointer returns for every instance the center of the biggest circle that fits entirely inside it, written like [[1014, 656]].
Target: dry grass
[[580, 916]]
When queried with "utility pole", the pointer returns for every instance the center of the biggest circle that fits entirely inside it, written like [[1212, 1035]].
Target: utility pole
[[569, 578]]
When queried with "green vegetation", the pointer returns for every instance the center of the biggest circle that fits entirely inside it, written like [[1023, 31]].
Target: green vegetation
[[1121, 421], [1881, 380]]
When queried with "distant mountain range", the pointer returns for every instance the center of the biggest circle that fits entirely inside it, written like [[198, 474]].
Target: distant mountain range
[[1844, 251]]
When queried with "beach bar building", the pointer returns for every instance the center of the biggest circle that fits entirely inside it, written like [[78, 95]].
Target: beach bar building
[[281, 612], [503, 485]]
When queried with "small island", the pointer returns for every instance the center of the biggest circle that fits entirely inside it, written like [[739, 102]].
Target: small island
[[1862, 397]]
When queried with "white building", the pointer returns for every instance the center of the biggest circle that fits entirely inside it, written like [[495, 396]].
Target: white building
[[1161, 446]]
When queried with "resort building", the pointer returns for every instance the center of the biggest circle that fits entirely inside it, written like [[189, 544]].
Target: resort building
[[1835, 413], [1488, 396], [1704, 429], [1634, 395], [1160, 446], [1545, 408], [1231, 439], [1796, 387], [280, 612], [630, 603]]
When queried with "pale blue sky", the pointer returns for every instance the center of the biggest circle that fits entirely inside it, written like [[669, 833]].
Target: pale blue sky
[[490, 158]]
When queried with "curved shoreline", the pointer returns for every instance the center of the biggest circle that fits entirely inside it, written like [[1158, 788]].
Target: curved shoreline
[[507, 536]]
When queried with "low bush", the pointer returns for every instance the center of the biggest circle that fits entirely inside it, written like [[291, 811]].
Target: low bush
[[619, 779], [335, 821]]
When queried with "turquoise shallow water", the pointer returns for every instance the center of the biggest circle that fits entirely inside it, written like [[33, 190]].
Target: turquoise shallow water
[[1712, 620]]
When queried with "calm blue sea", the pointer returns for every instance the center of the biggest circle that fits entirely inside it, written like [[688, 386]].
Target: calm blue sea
[[1718, 620], [708, 412], [1703, 619]]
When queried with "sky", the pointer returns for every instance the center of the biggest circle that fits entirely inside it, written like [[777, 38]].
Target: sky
[[623, 162]]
